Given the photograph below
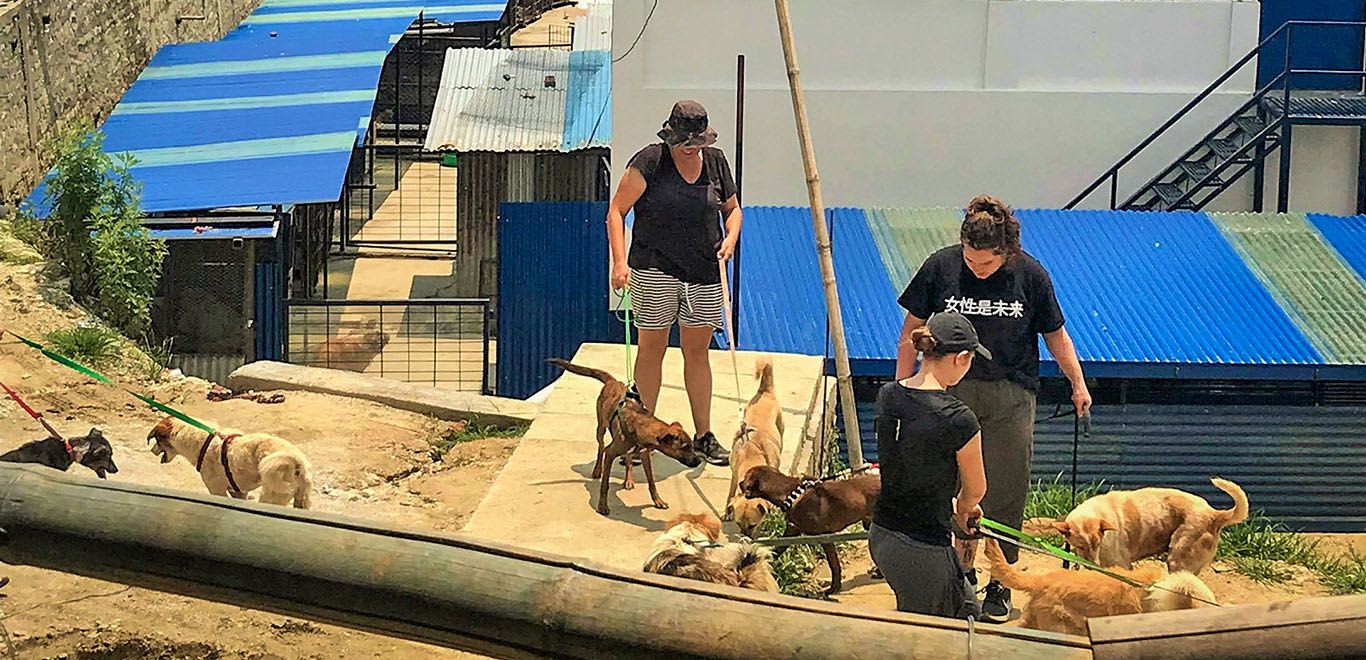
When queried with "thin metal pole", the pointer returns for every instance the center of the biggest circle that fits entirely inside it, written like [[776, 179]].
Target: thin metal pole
[[853, 439], [739, 182], [1283, 185]]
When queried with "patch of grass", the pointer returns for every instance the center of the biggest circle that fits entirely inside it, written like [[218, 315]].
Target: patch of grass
[[793, 568], [155, 358], [1260, 538], [93, 345], [1053, 499], [1343, 575], [11, 256], [1264, 571], [467, 432]]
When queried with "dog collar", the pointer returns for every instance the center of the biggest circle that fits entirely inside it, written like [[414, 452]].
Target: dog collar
[[204, 449], [796, 494]]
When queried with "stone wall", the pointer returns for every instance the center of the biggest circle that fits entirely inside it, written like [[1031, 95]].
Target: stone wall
[[61, 60]]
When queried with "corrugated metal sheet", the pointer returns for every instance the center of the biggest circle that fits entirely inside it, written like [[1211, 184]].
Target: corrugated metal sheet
[[496, 100], [782, 303], [906, 237], [1159, 287], [269, 321], [593, 31], [1324, 295], [572, 283], [213, 368], [1347, 236], [1300, 464]]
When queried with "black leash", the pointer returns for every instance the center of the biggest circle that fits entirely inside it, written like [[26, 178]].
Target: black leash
[[1081, 425]]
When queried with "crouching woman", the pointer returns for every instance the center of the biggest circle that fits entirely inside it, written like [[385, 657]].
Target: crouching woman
[[928, 443]]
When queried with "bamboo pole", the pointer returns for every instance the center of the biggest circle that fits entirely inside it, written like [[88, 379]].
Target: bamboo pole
[[450, 590], [823, 252]]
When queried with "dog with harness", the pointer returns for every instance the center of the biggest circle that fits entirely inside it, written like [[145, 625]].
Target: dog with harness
[[235, 463]]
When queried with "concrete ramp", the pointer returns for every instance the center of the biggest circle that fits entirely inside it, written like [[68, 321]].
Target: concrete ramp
[[545, 500]]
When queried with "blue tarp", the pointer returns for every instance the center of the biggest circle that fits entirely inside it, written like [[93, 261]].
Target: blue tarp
[[270, 113]]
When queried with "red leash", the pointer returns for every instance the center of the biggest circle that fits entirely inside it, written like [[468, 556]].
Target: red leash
[[39, 416]]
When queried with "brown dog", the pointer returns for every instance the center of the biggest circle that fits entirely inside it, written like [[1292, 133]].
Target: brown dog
[[1123, 526], [758, 442], [820, 507], [1061, 600], [352, 351], [633, 430], [693, 547], [234, 463]]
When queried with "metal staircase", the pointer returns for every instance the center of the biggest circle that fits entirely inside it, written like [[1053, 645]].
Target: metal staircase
[[1241, 143]]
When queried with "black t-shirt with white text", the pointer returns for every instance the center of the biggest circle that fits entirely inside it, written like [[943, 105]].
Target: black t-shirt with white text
[[1009, 309], [919, 433], [677, 226]]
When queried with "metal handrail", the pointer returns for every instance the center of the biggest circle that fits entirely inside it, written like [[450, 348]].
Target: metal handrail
[[1112, 173]]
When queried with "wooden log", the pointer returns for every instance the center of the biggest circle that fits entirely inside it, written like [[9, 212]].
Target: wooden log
[[1290, 630], [448, 590]]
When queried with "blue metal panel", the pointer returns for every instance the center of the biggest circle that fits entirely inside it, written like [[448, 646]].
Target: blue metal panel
[[269, 320], [782, 306], [270, 113], [1160, 288], [1346, 235], [1326, 48], [220, 233], [588, 107], [552, 283]]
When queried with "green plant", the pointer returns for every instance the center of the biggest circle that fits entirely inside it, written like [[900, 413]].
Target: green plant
[[1265, 571], [156, 357], [93, 345], [94, 230], [1260, 538], [18, 258], [470, 431], [792, 569], [1053, 499], [1344, 575]]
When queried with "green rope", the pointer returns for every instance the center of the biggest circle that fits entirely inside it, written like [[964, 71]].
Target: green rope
[[87, 371], [630, 364]]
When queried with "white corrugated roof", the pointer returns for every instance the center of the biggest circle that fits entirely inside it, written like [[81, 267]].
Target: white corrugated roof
[[496, 100], [593, 31]]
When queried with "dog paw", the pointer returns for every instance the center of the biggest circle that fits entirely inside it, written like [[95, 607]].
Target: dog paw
[[661, 504], [604, 511], [630, 485]]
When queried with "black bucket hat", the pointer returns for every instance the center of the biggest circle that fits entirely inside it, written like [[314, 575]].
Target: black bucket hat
[[687, 126]]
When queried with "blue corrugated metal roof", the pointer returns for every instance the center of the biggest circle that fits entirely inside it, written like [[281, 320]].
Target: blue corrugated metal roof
[[270, 113], [1346, 235], [219, 233], [588, 111], [1159, 288], [1146, 294]]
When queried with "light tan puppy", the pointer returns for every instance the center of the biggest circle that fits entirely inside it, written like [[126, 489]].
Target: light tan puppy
[[1061, 600], [748, 513], [234, 463], [693, 547], [759, 441], [1124, 526], [354, 350]]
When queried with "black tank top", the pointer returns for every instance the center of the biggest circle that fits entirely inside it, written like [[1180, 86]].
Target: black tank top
[[677, 227]]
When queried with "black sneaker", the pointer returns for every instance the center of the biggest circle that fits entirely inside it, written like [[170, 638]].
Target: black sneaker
[[996, 603], [710, 448]]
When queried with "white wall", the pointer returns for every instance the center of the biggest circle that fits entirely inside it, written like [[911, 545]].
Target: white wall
[[1323, 170], [929, 102]]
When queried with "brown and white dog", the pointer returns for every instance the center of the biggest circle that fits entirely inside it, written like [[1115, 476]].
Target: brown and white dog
[[352, 351], [1123, 526], [817, 507], [234, 463], [693, 547], [759, 441], [633, 430], [1061, 600]]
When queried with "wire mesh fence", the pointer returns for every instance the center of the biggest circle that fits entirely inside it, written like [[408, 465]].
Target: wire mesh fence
[[439, 342], [399, 194]]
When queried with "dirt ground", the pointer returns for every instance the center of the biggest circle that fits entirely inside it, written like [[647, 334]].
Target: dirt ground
[[370, 461]]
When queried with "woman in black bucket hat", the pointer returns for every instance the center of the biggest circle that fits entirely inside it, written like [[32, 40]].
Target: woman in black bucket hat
[[682, 192]]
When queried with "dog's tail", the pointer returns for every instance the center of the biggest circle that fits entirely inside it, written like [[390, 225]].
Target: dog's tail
[[754, 569], [282, 470], [582, 371], [1178, 591], [1007, 575], [303, 485], [763, 372], [1239, 511]]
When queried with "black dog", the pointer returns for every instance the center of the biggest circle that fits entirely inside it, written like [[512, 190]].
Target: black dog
[[90, 450]]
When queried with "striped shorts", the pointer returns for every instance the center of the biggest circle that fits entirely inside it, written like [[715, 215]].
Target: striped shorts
[[659, 300]]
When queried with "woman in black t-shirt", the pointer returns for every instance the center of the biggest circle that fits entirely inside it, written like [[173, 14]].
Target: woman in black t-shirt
[[929, 442], [680, 190]]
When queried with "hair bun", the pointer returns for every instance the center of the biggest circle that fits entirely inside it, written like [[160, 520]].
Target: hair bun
[[989, 205]]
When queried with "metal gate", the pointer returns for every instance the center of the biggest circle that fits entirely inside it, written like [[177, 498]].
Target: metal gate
[[441, 342]]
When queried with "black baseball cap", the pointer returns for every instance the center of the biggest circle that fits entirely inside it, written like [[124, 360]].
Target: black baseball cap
[[954, 333]]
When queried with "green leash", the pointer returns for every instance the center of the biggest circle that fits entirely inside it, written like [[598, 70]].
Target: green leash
[[87, 371], [630, 364]]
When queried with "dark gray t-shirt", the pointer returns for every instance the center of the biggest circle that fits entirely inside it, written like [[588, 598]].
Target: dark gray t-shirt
[[677, 226]]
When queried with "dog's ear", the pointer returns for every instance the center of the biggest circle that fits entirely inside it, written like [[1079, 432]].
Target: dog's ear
[[95, 433], [1063, 527], [1105, 526]]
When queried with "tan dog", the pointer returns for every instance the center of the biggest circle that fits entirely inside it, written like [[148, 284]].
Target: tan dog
[[1061, 600], [234, 463], [633, 430], [693, 547], [352, 351], [749, 513], [1124, 526], [759, 441]]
